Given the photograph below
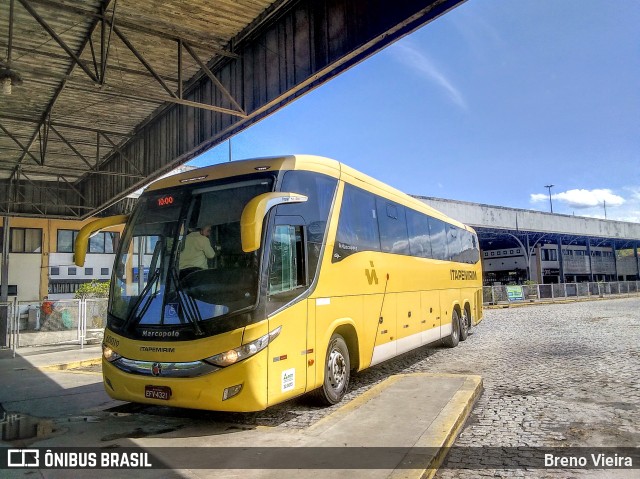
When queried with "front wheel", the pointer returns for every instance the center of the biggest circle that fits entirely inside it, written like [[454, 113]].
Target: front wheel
[[337, 372], [453, 339]]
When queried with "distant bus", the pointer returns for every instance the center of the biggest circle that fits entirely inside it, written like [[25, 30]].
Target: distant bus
[[319, 271]]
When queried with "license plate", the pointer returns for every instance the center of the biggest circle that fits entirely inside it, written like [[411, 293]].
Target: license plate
[[157, 392]]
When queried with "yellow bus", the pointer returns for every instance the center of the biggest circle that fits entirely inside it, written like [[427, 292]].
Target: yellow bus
[[310, 271]]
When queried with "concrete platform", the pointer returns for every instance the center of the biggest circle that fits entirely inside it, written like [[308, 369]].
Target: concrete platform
[[397, 429]]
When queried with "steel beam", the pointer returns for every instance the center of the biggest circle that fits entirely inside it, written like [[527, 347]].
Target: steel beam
[[104, 16], [68, 171], [141, 59], [78, 154], [213, 78], [56, 95], [59, 56], [57, 38], [123, 155], [49, 192], [173, 96], [22, 147], [36, 204], [59, 124]]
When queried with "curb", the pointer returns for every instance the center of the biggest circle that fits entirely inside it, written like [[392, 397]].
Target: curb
[[444, 430], [71, 365], [355, 403], [441, 433]]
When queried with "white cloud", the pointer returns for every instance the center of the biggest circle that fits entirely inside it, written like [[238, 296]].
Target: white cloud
[[591, 203], [635, 193], [410, 56], [582, 198]]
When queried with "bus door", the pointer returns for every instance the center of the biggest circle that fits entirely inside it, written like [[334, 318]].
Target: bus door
[[288, 279]]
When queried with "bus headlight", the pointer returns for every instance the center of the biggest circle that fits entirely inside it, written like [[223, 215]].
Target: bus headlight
[[245, 351], [109, 354]]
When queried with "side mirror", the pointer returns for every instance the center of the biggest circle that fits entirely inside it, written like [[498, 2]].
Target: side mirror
[[255, 211], [82, 240]]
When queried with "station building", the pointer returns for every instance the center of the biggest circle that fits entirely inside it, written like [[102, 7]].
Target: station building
[[40, 257]]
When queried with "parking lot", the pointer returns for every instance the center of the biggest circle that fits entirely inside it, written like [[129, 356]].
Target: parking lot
[[554, 375]]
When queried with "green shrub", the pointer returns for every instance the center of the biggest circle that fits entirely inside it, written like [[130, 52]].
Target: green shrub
[[95, 289]]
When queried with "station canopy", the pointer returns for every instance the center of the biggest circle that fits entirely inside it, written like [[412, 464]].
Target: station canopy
[[99, 97]]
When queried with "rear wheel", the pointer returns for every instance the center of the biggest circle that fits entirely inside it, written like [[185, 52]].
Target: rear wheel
[[452, 340], [337, 372]]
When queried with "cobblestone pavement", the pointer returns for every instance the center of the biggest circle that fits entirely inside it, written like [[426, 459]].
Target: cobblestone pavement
[[554, 375]]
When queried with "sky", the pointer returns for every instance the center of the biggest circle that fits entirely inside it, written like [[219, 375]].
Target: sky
[[488, 104]]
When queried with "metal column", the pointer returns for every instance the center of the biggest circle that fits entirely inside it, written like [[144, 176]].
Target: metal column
[[590, 260], [4, 285], [561, 260]]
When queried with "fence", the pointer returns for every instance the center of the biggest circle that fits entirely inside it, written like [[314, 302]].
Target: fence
[[82, 321], [559, 291], [45, 323]]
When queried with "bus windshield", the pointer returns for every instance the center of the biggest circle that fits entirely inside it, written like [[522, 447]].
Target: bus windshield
[[181, 260]]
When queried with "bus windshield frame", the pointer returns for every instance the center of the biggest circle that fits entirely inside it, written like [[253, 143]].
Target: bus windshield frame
[[152, 297]]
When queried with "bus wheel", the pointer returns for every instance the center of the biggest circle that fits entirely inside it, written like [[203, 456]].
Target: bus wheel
[[452, 340], [337, 371], [465, 324]]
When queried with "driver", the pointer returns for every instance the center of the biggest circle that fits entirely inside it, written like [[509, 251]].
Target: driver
[[197, 250]]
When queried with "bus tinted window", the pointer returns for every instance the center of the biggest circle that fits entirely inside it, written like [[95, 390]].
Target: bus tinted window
[[438, 235], [470, 253], [320, 190], [454, 245], [393, 227], [419, 241], [358, 226]]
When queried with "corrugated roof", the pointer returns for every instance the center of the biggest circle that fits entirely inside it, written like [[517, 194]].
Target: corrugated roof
[[84, 107]]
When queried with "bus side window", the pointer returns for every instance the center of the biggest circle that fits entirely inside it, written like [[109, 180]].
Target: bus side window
[[287, 260], [438, 235], [393, 227]]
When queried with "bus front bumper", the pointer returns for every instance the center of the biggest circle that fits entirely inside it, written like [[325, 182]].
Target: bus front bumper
[[241, 387]]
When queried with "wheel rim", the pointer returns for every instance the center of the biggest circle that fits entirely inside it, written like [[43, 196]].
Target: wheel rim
[[455, 326], [465, 321], [336, 370]]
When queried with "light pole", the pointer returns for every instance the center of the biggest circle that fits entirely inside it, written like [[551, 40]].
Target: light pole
[[550, 203]]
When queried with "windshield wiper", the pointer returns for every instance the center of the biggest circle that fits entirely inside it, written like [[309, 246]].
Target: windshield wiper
[[144, 300], [187, 305]]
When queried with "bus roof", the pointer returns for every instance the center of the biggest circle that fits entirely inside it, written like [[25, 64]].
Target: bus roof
[[300, 162]]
